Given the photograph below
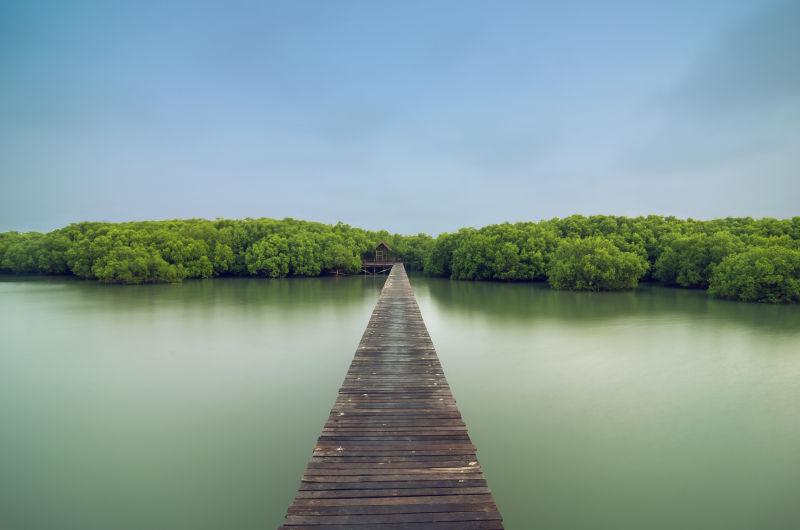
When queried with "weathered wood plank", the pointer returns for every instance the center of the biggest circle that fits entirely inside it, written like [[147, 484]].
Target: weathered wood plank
[[410, 492], [404, 518], [410, 484], [460, 525], [394, 452]]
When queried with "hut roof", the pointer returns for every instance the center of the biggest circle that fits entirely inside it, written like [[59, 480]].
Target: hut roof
[[384, 244]]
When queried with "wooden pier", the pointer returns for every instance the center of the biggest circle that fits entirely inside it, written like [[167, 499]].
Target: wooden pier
[[377, 267], [394, 453]]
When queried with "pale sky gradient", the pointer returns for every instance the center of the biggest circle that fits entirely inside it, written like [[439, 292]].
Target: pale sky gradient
[[410, 116]]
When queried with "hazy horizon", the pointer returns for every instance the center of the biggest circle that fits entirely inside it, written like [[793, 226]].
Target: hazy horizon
[[410, 118]]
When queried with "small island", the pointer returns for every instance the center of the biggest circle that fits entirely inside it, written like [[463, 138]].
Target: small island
[[752, 260]]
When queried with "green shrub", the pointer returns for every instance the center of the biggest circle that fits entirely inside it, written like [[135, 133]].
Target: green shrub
[[689, 260], [594, 264], [759, 275]]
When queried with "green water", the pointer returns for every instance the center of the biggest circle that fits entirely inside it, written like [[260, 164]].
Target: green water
[[197, 405]]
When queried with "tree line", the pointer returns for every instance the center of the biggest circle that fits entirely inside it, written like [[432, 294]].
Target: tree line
[[739, 258]]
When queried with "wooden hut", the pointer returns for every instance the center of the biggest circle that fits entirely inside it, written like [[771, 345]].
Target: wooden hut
[[382, 253], [381, 262]]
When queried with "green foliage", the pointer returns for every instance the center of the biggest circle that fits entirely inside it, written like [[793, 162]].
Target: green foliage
[[770, 274], [125, 264], [676, 252], [340, 255], [594, 263], [472, 258], [512, 252], [689, 260], [413, 249], [269, 257], [33, 253], [577, 252], [222, 258], [19, 252], [170, 251], [440, 255]]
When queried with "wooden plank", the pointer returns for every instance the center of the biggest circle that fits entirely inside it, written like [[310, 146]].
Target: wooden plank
[[397, 518], [434, 525], [394, 452], [409, 492], [409, 484]]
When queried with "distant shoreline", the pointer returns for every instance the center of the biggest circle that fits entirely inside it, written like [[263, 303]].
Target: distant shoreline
[[744, 259]]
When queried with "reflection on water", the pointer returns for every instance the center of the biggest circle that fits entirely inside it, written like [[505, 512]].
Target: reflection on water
[[653, 409], [167, 406], [527, 302], [197, 405]]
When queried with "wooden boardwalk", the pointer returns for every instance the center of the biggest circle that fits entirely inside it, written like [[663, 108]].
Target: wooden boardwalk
[[394, 453]]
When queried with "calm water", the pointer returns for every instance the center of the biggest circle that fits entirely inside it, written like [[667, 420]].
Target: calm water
[[197, 405]]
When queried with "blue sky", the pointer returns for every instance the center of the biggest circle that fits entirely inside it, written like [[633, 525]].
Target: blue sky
[[410, 116]]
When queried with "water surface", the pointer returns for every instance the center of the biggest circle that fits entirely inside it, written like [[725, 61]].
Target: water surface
[[654, 409], [167, 406], [197, 405]]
